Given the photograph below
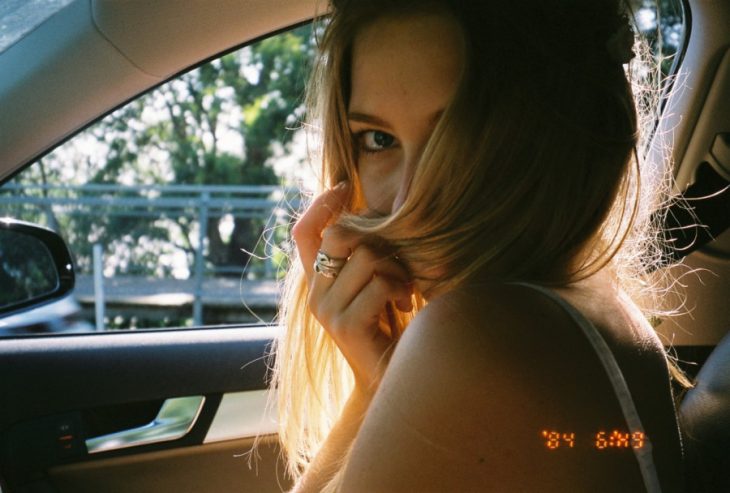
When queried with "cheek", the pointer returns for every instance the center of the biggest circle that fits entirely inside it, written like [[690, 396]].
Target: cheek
[[380, 184]]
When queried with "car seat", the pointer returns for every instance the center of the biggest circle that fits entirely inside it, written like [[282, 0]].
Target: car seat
[[704, 417]]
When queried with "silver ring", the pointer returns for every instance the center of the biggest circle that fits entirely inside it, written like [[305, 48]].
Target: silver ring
[[328, 266], [327, 261]]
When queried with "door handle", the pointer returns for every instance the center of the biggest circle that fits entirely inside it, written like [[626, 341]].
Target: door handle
[[174, 420]]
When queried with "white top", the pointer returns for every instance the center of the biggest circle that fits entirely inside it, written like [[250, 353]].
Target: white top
[[643, 454]]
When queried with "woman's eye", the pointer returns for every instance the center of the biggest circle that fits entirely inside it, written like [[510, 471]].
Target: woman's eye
[[375, 141]]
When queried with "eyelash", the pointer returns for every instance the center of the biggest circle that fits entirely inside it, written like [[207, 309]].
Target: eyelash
[[358, 140]]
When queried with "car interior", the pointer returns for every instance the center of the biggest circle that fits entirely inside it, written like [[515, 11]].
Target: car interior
[[179, 409]]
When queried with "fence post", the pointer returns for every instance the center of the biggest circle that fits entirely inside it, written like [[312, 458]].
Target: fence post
[[99, 301], [200, 259]]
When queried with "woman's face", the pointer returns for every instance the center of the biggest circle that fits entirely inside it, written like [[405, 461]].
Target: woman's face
[[404, 73]]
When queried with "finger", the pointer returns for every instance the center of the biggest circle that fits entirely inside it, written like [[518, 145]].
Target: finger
[[367, 308], [307, 232], [364, 264], [329, 309], [338, 243]]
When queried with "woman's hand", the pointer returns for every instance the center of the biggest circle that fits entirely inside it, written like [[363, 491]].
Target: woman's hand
[[355, 306]]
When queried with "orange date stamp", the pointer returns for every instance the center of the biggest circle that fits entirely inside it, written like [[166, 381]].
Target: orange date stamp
[[601, 440]]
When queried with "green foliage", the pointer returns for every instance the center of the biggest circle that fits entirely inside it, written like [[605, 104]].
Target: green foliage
[[220, 124]]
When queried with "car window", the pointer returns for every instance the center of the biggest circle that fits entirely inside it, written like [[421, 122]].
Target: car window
[[177, 206], [662, 23]]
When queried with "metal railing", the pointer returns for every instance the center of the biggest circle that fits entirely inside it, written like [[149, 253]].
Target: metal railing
[[198, 203]]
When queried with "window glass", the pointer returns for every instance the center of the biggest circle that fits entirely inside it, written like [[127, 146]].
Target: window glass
[[662, 23], [176, 207]]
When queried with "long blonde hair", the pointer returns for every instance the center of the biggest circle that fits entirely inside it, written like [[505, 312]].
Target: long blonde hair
[[537, 165]]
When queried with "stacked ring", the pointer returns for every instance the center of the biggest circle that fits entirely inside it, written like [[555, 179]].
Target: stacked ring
[[328, 266]]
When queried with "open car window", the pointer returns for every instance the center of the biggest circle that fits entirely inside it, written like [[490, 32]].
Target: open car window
[[176, 206]]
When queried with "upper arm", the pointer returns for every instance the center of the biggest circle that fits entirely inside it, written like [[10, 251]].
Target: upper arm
[[467, 394]]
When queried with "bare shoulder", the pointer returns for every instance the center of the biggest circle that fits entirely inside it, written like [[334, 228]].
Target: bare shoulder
[[486, 318], [492, 328], [471, 388]]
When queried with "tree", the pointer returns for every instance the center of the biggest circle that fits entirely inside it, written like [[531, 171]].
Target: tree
[[221, 123]]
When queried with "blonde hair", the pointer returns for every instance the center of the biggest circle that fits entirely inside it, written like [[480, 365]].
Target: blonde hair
[[538, 168]]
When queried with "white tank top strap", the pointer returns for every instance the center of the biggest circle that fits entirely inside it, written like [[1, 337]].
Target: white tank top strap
[[621, 389]]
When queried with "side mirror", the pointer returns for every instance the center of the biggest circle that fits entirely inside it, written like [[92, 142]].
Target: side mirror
[[35, 265]]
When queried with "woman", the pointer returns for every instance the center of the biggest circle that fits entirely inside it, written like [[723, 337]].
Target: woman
[[459, 318]]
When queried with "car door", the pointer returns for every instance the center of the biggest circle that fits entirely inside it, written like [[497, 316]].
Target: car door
[[136, 411]]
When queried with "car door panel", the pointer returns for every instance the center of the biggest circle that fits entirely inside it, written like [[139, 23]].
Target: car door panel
[[214, 468], [59, 392]]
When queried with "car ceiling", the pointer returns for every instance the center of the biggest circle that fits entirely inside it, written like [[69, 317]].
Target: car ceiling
[[92, 55]]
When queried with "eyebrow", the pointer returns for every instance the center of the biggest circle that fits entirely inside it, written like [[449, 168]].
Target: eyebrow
[[374, 120], [365, 118]]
